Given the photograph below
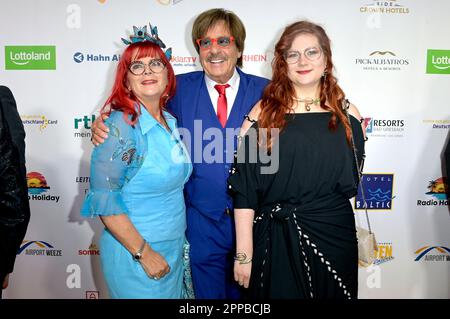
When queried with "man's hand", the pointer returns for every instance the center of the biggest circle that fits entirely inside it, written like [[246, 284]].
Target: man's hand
[[99, 130], [5, 282]]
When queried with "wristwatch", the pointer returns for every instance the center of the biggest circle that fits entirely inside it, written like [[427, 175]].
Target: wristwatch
[[138, 255]]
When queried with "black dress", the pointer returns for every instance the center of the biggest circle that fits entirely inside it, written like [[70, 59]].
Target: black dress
[[304, 237]]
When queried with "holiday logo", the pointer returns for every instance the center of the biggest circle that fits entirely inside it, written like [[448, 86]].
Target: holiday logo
[[37, 187]]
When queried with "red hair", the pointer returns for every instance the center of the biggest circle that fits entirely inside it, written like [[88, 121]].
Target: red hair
[[278, 96], [121, 98]]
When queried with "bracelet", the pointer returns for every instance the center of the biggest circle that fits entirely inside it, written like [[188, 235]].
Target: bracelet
[[138, 255], [242, 258]]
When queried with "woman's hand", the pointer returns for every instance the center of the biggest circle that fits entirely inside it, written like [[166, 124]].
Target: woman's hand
[[242, 273], [153, 263]]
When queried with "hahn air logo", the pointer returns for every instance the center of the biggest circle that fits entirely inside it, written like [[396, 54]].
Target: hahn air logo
[[437, 191], [30, 57], [433, 254], [38, 248], [80, 57], [40, 122], [384, 7], [37, 187], [376, 127], [384, 253], [91, 251], [378, 189], [382, 61], [438, 61], [82, 126]]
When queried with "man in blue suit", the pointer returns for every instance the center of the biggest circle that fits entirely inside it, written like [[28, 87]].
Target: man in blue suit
[[212, 118]]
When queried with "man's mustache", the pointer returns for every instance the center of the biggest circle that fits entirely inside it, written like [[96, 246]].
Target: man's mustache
[[213, 57]]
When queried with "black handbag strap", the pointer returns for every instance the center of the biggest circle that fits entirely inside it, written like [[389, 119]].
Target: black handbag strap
[[346, 105]]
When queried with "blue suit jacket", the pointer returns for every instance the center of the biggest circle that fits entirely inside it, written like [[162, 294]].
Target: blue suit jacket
[[206, 191]]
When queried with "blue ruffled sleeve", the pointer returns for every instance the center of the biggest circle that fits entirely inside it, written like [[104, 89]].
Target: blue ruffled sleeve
[[113, 163]]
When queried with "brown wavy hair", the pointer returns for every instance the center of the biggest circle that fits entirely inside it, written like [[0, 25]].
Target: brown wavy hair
[[278, 96]]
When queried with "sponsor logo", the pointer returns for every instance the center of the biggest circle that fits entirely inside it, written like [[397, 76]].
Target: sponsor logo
[[433, 254], [80, 57], [178, 61], [382, 61], [82, 126], [92, 295], [92, 250], [383, 7], [384, 253], [37, 187], [378, 189], [30, 57], [438, 61], [437, 190], [41, 122], [84, 180], [167, 2], [38, 248], [384, 127], [254, 58], [438, 124]]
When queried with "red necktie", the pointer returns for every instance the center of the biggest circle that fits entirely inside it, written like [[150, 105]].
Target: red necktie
[[222, 103]]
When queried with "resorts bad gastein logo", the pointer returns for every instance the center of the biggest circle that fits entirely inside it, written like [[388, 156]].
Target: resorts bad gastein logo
[[382, 61], [38, 248], [383, 7], [378, 127], [38, 187], [384, 253], [39, 122], [437, 195], [433, 254], [378, 189], [30, 57], [91, 251], [80, 57], [438, 61], [82, 126]]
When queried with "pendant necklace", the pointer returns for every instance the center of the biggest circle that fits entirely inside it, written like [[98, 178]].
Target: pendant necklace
[[308, 102]]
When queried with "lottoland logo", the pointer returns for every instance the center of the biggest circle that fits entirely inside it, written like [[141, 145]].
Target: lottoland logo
[[34, 57], [438, 61]]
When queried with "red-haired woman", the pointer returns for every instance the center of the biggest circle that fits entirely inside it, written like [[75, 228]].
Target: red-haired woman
[[295, 228], [138, 175]]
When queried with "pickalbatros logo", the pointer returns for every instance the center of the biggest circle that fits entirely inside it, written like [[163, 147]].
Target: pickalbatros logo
[[382, 61], [384, 7]]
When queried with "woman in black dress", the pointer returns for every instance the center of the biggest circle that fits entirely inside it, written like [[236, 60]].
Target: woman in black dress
[[295, 228]]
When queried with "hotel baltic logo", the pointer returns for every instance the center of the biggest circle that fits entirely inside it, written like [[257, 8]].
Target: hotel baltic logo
[[384, 7], [438, 61], [30, 57], [378, 190]]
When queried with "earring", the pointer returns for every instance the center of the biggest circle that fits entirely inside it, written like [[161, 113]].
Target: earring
[[325, 73]]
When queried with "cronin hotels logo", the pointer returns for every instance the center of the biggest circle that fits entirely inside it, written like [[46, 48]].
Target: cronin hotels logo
[[383, 7], [378, 189], [37, 187], [433, 253], [168, 2], [38, 248], [437, 191]]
